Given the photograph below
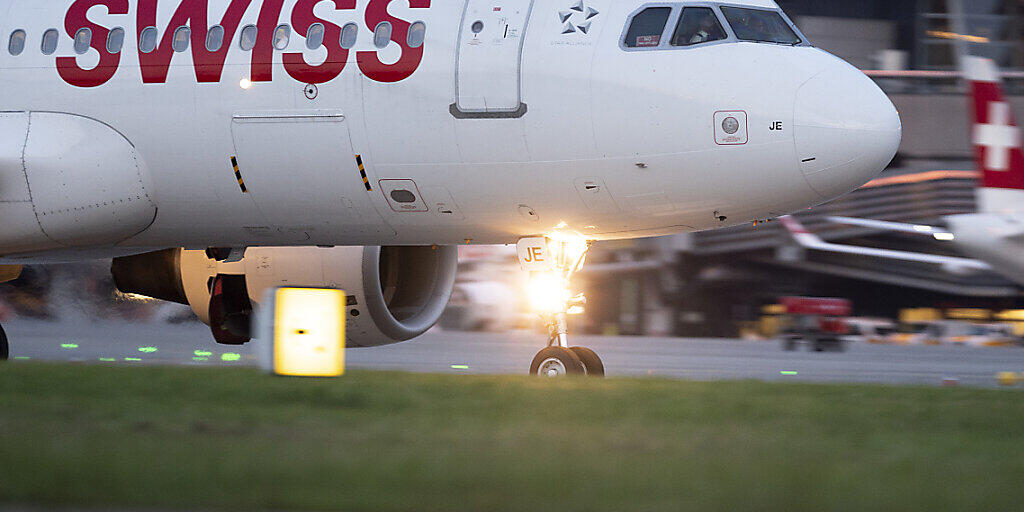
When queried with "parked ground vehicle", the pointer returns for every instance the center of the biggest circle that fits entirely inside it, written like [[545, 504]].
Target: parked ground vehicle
[[869, 330], [985, 335], [819, 323]]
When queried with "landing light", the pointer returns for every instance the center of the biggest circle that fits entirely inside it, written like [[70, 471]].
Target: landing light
[[923, 229], [245, 84], [548, 292], [944, 237]]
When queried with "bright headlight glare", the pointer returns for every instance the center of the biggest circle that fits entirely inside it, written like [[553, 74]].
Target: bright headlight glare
[[547, 292], [566, 248]]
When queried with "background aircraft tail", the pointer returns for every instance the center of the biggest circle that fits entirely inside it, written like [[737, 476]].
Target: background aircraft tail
[[996, 138]]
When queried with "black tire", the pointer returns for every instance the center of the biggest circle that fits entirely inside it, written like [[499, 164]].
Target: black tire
[[592, 364], [5, 349], [558, 359]]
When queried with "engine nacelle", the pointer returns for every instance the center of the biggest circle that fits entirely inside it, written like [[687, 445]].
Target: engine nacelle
[[394, 293]]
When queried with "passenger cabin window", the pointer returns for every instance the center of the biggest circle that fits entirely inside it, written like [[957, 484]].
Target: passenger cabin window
[[83, 40], [215, 38], [115, 40], [247, 41], [50, 39], [315, 36], [760, 26], [349, 34], [282, 35], [182, 36], [647, 27], [698, 25], [382, 35], [417, 34], [147, 39], [16, 44]]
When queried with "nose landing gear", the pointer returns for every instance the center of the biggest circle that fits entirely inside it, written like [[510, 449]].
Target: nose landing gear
[[553, 264]]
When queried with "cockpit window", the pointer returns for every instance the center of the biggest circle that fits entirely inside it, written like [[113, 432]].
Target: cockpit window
[[647, 27], [760, 26], [698, 25]]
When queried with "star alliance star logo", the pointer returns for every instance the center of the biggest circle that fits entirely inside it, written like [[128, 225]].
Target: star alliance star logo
[[577, 18]]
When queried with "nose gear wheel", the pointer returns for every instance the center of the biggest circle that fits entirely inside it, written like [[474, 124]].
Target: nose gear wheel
[[556, 362]]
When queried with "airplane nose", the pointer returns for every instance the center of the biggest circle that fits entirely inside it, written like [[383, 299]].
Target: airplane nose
[[846, 131]]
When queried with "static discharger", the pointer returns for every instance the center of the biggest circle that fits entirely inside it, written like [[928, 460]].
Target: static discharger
[[148, 350], [238, 175], [70, 346], [362, 172]]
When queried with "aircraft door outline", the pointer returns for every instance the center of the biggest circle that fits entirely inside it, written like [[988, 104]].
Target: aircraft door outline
[[489, 58]]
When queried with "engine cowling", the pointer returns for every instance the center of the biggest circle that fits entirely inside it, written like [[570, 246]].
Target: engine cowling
[[394, 293]]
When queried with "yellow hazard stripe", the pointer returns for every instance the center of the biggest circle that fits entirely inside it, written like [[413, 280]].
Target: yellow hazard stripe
[[362, 172], [238, 175]]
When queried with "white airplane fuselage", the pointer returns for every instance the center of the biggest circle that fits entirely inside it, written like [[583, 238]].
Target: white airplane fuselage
[[463, 140], [993, 238]]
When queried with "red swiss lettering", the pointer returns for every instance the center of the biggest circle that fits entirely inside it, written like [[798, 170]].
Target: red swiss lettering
[[262, 68], [74, 20], [370, 63], [302, 19], [208, 65]]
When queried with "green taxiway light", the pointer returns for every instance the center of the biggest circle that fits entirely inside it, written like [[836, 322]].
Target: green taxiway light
[[69, 345], [200, 358], [22, 358], [108, 359], [132, 359], [231, 357], [202, 353], [788, 373], [460, 367], [147, 350]]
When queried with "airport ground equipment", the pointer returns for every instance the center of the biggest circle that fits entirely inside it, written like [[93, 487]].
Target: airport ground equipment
[[301, 332], [817, 322]]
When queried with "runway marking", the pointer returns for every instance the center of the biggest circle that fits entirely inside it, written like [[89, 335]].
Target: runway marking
[[201, 359], [22, 358], [108, 360], [69, 345], [460, 366], [788, 373], [132, 359], [203, 353]]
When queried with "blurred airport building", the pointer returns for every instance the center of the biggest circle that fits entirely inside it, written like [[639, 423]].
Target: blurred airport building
[[715, 283]]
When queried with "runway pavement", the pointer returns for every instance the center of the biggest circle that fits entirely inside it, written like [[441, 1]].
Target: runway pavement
[[121, 342]]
